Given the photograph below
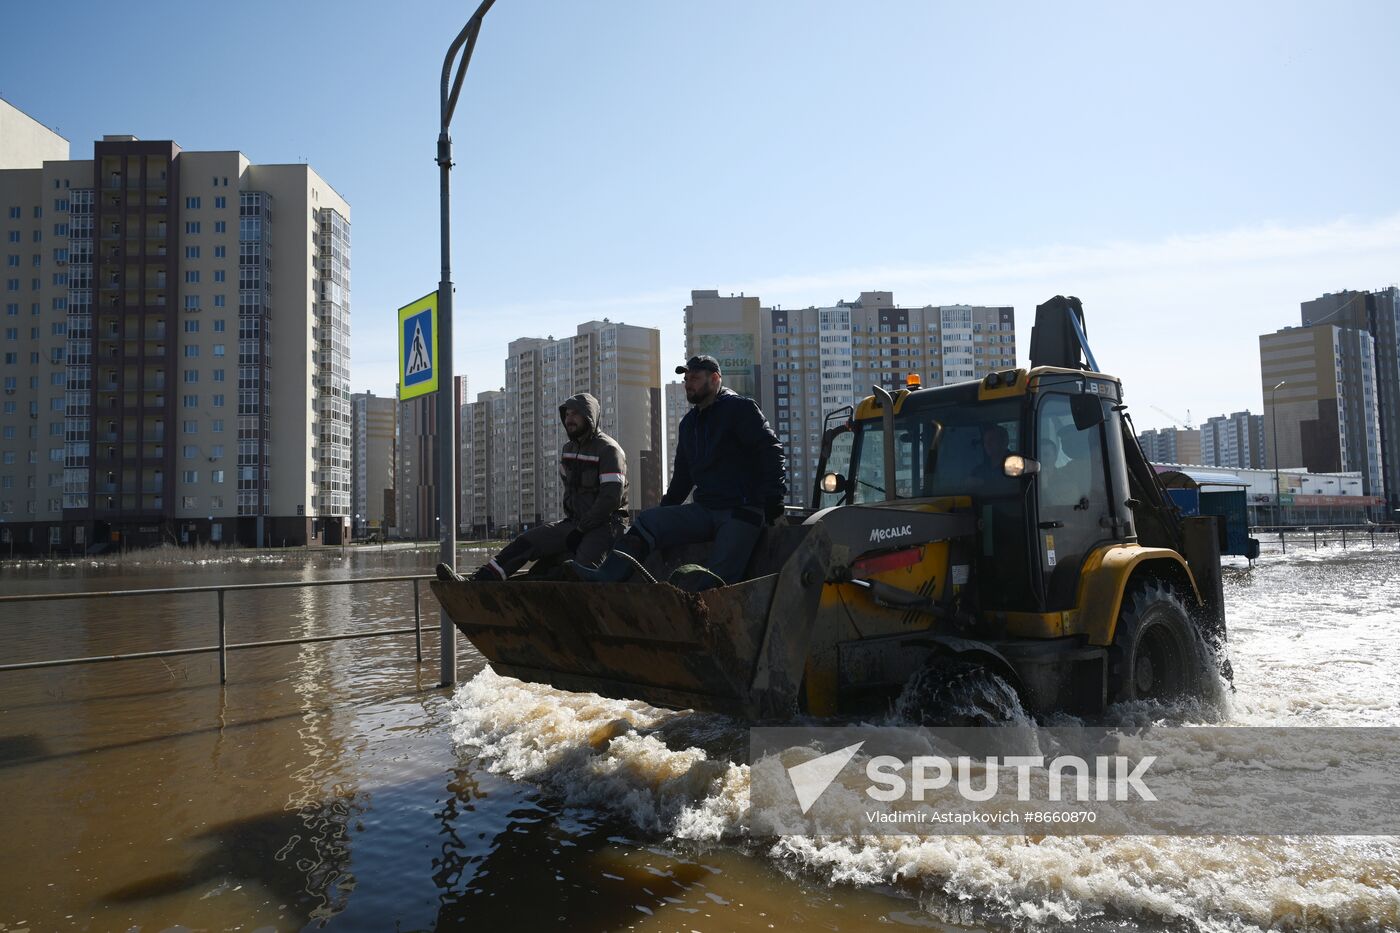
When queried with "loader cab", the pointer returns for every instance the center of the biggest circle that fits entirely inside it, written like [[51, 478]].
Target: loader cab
[[1038, 455]]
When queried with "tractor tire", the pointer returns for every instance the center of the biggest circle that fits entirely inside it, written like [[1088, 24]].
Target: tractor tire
[[1157, 652], [952, 692]]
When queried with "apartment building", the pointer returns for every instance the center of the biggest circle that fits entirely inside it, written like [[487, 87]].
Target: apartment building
[[483, 442], [418, 465], [817, 360], [731, 330], [1171, 445], [1235, 441], [374, 419], [1326, 412], [619, 364], [1378, 314], [144, 292]]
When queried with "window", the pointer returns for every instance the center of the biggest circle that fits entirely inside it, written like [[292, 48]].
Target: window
[[191, 276], [216, 475], [192, 226], [191, 204], [191, 375], [189, 451], [192, 325], [189, 427], [219, 322], [216, 451], [218, 301], [189, 476], [189, 401], [218, 375], [188, 502], [191, 252], [217, 426], [191, 304], [191, 349], [60, 229], [218, 275], [220, 252], [14, 213], [218, 398], [218, 349], [221, 202], [219, 226]]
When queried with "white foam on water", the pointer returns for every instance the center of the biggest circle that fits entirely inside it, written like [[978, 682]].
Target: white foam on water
[[1300, 657]]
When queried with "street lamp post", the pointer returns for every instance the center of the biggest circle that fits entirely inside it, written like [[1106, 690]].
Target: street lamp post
[[1278, 488], [447, 394]]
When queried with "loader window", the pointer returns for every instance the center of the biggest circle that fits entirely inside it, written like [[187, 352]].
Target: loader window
[[967, 461]]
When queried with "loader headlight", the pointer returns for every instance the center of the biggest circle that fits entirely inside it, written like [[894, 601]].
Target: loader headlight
[[1017, 465]]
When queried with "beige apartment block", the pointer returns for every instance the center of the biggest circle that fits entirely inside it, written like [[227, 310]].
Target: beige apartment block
[[373, 422], [617, 363], [25, 142], [1325, 416], [149, 289], [731, 330]]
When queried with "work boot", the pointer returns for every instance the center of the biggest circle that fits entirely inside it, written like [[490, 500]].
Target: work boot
[[622, 561]]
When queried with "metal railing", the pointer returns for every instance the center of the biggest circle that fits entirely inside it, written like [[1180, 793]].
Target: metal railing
[[223, 647], [1326, 536]]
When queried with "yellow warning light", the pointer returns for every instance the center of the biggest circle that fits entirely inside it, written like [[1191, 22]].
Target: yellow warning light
[[912, 381]]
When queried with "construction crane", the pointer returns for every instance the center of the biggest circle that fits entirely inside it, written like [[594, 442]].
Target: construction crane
[[1177, 422]]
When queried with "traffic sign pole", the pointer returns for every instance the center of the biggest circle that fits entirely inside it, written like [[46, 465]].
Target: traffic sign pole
[[447, 395]]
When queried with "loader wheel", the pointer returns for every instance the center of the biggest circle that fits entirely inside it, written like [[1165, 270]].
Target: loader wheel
[[950, 692], [1157, 652]]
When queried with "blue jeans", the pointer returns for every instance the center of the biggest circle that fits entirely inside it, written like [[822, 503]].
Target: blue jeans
[[733, 531]]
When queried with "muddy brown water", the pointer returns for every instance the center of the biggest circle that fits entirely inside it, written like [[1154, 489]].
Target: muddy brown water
[[336, 786]]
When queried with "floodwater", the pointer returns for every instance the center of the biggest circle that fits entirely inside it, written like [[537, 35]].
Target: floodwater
[[334, 786]]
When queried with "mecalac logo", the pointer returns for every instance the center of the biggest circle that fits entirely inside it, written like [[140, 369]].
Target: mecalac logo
[[884, 534]]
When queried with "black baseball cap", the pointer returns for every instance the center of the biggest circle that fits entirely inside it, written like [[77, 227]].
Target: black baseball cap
[[699, 362]]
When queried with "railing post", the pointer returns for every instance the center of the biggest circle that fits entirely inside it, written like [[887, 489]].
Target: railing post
[[223, 643], [1344, 538], [1314, 539], [1283, 545], [417, 624]]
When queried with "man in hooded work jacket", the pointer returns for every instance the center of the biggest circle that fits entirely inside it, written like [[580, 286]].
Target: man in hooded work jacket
[[593, 469]]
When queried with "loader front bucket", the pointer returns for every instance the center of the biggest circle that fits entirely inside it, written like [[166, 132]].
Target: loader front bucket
[[738, 650]]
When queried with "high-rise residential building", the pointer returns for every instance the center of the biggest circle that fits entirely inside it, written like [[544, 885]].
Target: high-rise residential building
[[1326, 412], [482, 441], [1235, 440], [417, 464], [144, 404], [817, 360], [731, 330], [373, 433], [676, 407], [1378, 313], [1171, 445], [617, 363]]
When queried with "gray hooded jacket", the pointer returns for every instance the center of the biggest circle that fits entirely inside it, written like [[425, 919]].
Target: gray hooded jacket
[[593, 470]]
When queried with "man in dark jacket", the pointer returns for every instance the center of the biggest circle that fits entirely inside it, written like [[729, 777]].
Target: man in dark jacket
[[593, 469], [730, 461]]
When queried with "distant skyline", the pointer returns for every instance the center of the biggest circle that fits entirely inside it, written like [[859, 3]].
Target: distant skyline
[[1193, 173]]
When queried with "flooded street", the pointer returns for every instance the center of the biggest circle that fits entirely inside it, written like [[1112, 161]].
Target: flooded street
[[334, 786]]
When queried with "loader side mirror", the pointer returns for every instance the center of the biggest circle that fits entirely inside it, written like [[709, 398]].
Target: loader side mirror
[[1087, 411], [834, 483]]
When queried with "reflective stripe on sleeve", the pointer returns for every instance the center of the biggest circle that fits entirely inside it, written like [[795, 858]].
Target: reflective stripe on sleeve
[[610, 477]]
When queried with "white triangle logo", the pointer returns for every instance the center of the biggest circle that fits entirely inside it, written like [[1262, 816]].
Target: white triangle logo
[[418, 361], [811, 778]]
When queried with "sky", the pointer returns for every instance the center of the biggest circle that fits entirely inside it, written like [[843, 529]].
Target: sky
[[1191, 171]]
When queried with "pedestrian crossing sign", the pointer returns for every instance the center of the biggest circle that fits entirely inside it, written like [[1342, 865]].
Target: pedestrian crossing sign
[[418, 374]]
